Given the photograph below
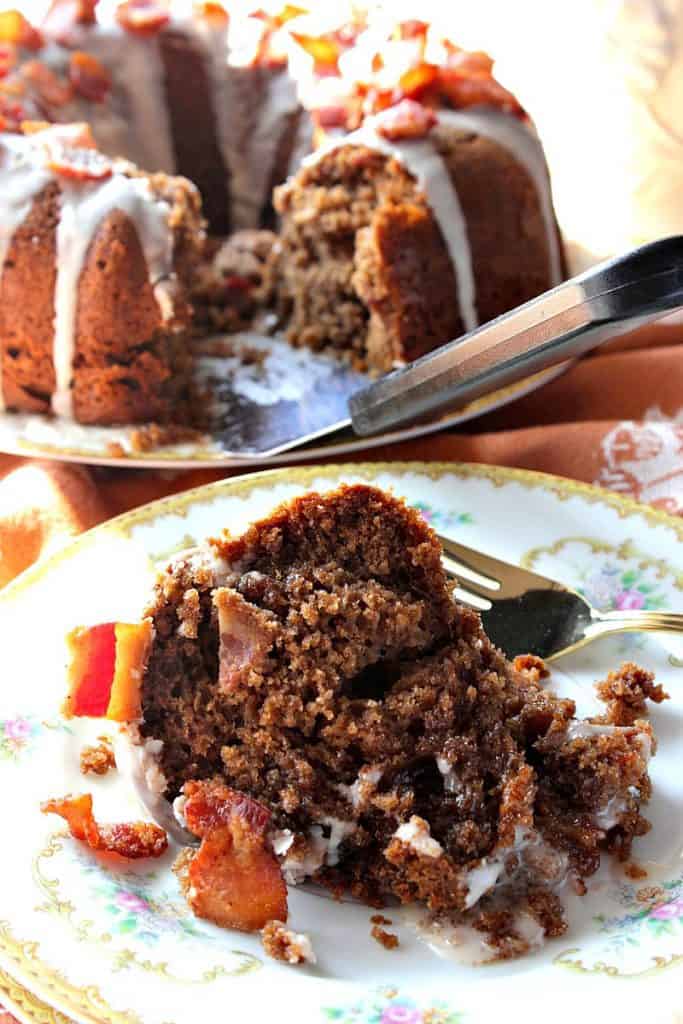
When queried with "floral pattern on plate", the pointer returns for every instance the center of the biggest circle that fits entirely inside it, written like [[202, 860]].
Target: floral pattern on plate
[[654, 912], [18, 735], [390, 1006], [135, 907]]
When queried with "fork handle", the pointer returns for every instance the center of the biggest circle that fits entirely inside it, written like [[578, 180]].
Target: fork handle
[[634, 622]]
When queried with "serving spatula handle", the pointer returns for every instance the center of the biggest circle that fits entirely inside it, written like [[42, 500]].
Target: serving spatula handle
[[561, 324]]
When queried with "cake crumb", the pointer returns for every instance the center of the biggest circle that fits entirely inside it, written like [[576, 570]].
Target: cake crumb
[[634, 871], [290, 947], [380, 919], [386, 939], [116, 450], [98, 759], [532, 666], [155, 435], [625, 692]]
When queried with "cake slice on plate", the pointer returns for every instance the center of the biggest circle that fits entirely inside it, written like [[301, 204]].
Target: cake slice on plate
[[315, 682]]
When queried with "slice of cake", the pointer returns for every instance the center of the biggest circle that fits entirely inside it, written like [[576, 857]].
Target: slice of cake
[[96, 260], [314, 682], [433, 216]]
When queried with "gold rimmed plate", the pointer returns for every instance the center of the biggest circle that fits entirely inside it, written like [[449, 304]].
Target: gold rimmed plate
[[103, 943]]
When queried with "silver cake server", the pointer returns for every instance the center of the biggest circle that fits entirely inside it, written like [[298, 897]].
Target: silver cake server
[[610, 299]]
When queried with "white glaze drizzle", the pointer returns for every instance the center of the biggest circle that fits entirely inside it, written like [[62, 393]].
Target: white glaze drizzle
[[422, 159], [522, 142], [22, 180], [83, 208], [141, 131]]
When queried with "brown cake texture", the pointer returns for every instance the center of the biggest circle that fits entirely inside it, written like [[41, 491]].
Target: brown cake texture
[[365, 266], [97, 272], [319, 665]]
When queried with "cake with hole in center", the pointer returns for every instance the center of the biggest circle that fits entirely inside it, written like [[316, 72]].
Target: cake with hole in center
[[317, 673]]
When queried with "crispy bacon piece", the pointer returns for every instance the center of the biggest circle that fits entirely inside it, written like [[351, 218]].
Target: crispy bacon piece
[[8, 58], [51, 90], [143, 17], [11, 113], [464, 89], [63, 15], [107, 663], [212, 12], [234, 879], [415, 82], [325, 51], [413, 29], [407, 120], [133, 840], [15, 28], [89, 77], [245, 637]]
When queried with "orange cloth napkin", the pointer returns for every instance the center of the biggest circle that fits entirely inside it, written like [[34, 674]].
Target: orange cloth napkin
[[614, 419]]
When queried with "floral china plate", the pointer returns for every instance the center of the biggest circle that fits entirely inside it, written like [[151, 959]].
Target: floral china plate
[[101, 942]]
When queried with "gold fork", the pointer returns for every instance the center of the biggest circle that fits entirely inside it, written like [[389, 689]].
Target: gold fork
[[525, 613]]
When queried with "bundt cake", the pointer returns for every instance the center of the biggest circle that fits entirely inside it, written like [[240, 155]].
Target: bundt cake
[[317, 674], [96, 260], [425, 209], [172, 87]]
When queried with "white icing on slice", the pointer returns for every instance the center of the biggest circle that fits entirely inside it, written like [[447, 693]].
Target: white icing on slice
[[522, 142], [83, 208], [416, 834], [22, 180], [422, 159]]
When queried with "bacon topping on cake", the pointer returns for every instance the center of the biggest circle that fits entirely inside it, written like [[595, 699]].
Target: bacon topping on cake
[[134, 840], [142, 17], [15, 28], [89, 77], [407, 120], [234, 879]]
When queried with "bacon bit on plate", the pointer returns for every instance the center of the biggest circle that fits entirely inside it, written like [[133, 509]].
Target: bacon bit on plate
[[89, 77], [51, 89], [143, 17], [133, 840], [106, 668], [212, 12], [105, 673], [15, 28], [234, 879], [407, 120], [63, 15], [8, 58]]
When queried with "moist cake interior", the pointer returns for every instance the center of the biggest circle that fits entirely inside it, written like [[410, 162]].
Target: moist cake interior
[[320, 665]]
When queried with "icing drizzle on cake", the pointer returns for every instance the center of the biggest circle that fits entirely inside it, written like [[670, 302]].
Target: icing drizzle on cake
[[423, 160], [84, 206]]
